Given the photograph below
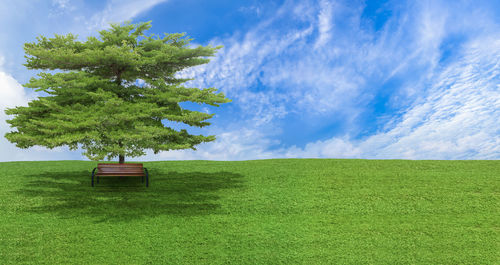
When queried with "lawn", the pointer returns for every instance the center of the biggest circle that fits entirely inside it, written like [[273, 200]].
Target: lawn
[[283, 211]]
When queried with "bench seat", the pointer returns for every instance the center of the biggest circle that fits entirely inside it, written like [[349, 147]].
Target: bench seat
[[120, 170]]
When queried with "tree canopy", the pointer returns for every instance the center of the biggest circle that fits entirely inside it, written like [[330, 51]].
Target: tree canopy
[[96, 101]]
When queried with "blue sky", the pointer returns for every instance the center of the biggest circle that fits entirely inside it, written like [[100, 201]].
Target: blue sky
[[320, 79]]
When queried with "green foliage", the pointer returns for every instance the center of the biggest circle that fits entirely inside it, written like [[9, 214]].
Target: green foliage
[[95, 104]]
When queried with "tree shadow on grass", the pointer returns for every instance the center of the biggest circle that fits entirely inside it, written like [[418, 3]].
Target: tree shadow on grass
[[123, 199]]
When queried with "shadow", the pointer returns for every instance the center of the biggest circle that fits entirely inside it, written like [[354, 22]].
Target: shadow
[[122, 199]]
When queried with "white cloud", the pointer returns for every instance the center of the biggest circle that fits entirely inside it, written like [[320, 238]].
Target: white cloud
[[62, 4], [241, 64], [324, 23], [257, 9], [339, 76], [238, 144], [457, 120], [12, 94], [332, 148], [117, 11]]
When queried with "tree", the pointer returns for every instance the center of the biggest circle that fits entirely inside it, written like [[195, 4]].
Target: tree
[[96, 100]]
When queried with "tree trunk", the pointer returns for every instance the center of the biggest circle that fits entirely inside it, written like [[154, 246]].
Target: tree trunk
[[119, 82]]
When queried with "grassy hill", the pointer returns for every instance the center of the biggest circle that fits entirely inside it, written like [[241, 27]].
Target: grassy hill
[[290, 211]]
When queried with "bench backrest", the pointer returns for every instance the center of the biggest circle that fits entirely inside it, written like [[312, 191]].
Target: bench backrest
[[119, 168]]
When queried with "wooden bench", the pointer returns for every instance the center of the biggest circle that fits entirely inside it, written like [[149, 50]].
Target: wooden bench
[[119, 170]]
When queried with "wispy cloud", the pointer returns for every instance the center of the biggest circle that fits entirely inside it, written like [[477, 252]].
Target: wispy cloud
[[324, 23], [63, 4], [334, 77], [458, 119], [239, 68], [117, 11], [449, 109]]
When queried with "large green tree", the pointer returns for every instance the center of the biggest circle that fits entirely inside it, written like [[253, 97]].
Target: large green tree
[[97, 102]]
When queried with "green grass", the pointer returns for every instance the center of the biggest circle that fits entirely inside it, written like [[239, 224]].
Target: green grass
[[294, 211]]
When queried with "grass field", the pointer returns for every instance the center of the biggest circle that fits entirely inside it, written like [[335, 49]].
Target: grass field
[[292, 211]]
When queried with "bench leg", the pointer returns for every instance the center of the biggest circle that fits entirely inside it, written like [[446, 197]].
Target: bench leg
[[93, 172], [147, 177], [97, 178]]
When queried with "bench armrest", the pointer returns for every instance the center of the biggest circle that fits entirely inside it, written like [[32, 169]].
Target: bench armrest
[[93, 171], [145, 169]]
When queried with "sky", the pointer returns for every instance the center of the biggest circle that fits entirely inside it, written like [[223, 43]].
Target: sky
[[308, 79]]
